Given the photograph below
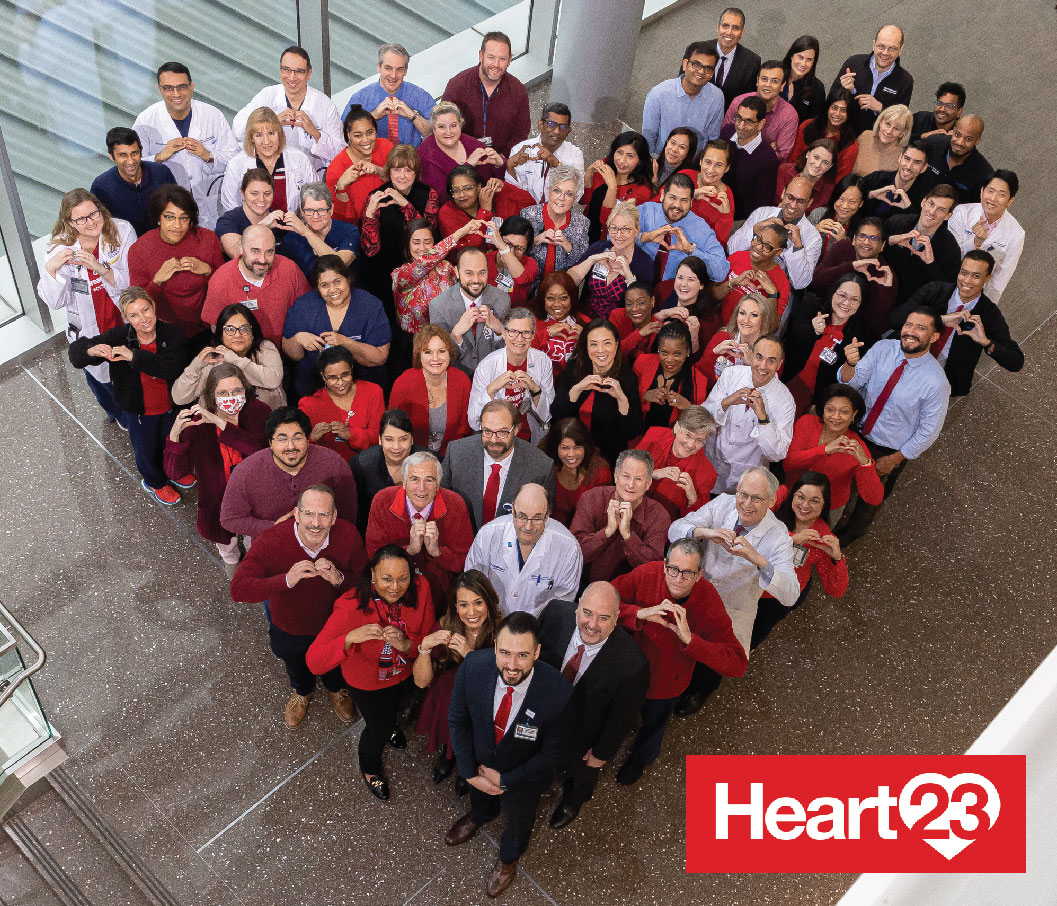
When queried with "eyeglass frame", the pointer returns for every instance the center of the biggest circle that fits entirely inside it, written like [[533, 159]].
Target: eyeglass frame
[[87, 219], [673, 572]]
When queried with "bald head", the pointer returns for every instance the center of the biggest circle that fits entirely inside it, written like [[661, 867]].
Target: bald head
[[597, 612], [887, 45], [795, 199], [531, 498], [966, 134], [530, 510], [258, 251]]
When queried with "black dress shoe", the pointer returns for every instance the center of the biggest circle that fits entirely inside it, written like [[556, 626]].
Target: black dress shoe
[[379, 787], [442, 768], [462, 830], [563, 816], [397, 739], [690, 703], [630, 772], [461, 787]]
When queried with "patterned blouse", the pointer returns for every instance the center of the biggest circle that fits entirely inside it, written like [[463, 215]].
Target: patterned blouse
[[417, 283]]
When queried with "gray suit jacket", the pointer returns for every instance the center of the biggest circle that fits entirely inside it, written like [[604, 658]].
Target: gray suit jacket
[[448, 307], [464, 473]]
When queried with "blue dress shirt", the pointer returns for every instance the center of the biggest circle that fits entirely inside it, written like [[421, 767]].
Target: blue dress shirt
[[418, 99], [696, 229]]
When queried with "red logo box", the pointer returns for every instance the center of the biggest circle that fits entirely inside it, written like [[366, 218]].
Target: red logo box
[[855, 813]]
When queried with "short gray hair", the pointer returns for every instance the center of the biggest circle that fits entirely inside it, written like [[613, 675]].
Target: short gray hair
[[564, 173], [698, 420], [518, 314], [637, 455], [317, 191], [416, 459], [393, 48], [772, 483], [686, 546]]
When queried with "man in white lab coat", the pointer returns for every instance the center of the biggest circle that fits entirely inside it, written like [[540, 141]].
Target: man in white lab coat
[[747, 552], [191, 137], [310, 119], [529, 558]]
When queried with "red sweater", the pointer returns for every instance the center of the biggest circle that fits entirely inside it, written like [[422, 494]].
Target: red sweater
[[389, 523], [409, 393], [566, 501], [303, 609], [605, 557], [807, 454], [741, 262], [363, 420], [833, 576], [658, 443], [646, 367], [712, 640], [359, 665], [351, 211], [631, 341], [283, 285]]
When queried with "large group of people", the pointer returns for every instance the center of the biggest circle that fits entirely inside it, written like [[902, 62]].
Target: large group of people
[[536, 447]]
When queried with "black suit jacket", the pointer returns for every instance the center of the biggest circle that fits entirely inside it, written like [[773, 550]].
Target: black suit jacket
[[610, 693], [894, 88], [741, 77], [965, 351], [520, 762]]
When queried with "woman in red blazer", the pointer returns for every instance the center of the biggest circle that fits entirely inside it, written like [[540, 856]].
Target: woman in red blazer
[[209, 439], [345, 413], [433, 393], [668, 382], [804, 510], [683, 477], [373, 635]]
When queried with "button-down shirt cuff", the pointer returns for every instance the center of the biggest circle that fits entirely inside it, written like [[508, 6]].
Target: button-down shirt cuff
[[766, 575]]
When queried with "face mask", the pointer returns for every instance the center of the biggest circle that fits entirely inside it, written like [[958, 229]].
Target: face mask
[[232, 405]]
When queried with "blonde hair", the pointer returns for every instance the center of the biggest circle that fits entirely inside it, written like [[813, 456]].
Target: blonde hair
[[130, 295], [65, 233], [442, 107], [900, 111], [768, 314], [626, 209], [262, 116]]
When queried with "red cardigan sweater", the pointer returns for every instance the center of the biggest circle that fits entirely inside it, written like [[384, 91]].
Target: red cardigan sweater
[[807, 454], [389, 523], [833, 576], [712, 640], [658, 443], [359, 665], [303, 609], [645, 368], [409, 393], [363, 420]]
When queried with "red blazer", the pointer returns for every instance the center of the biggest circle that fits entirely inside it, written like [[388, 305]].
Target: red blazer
[[409, 393], [658, 443], [451, 218], [712, 640], [806, 454], [631, 341], [645, 367], [388, 523], [833, 576], [364, 419], [359, 665]]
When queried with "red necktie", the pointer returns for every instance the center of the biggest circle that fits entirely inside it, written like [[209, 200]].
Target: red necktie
[[875, 411], [491, 494], [502, 715], [660, 262], [393, 126], [474, 305], [572, 668], [937, 347]]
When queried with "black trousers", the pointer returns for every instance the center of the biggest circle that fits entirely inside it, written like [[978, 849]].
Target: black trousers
[[379, 708], [580, 782], [705, 680], [771, 612], [291, 649], [519, 807], [864, 513]]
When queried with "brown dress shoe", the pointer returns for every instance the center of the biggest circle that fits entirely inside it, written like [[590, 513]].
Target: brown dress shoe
[[462, 830], [295, 710], [503, 874], [344, 706]]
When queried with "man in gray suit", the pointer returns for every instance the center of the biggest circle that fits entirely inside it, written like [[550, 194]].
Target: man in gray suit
[[471, 311], [488, 469]]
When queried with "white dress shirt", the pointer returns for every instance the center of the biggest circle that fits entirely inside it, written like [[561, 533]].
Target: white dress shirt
[[738, 582], [955, 303], [520, 691], [1005, 243], [740, 440], [552, 568], [321, 111], [798, 265], [532, 175], [590, 653]]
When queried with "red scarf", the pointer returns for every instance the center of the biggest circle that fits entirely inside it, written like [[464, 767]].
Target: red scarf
[[548, 224]]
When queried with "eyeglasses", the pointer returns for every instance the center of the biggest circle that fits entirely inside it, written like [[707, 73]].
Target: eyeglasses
[[315, 212], [867, 237], [557, 127], [685, 574], [786, 196], [846, 297], [766, 246], [890, 48], [287, 70], [621, 231], [740, 120], [558, 193], [524, 334], [756, 499], [230, 330], [700, 67], [173, 218], [335, 378], [308, 514], [502, 433], [947, 105], [532, 520], [463, 190], [88, 218], [175, 89]]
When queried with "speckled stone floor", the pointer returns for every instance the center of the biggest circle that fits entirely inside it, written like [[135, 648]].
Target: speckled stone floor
[[171, 703]]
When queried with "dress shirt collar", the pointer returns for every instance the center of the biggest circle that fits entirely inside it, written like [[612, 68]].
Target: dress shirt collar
[[749, 147], [956, 300], [411, 511], [467, 301], [520, 691], [306, 549], [879, 74]]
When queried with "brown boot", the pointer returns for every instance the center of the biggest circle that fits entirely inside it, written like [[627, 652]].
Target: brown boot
[[344, 706], [296, 708], [503, 874]]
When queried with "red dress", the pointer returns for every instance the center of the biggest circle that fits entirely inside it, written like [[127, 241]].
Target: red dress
[[741, 262], [565, 501], [807, 454], [363, 419]]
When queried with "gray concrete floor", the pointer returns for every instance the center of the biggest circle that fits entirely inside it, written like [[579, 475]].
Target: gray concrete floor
[[171, 703]]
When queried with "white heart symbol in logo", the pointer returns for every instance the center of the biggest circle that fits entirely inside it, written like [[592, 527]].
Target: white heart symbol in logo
[[949, 813]]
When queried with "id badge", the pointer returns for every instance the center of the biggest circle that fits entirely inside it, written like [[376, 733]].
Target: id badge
[[799, 555], [505, 282], [526, 731], [486, 140], [828, 355], [600, 270], [79, 285], [722, 364], [251, 304]]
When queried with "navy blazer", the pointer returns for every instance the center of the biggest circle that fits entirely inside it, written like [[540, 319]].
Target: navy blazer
[[520, 762]]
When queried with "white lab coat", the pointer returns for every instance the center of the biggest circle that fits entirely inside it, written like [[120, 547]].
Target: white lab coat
[[532, 175], [540, 369], [1005, 243], [740, 440], [299, 170], [318, 106], [59, 292], [155, 128], [738, 582], [551, 571]]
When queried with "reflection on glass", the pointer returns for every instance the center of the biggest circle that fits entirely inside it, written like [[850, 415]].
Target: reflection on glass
[[10, 306]]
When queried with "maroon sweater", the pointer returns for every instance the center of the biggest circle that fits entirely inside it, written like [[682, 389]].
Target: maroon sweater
[[605, 557], [305, 608], [878, 301]]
